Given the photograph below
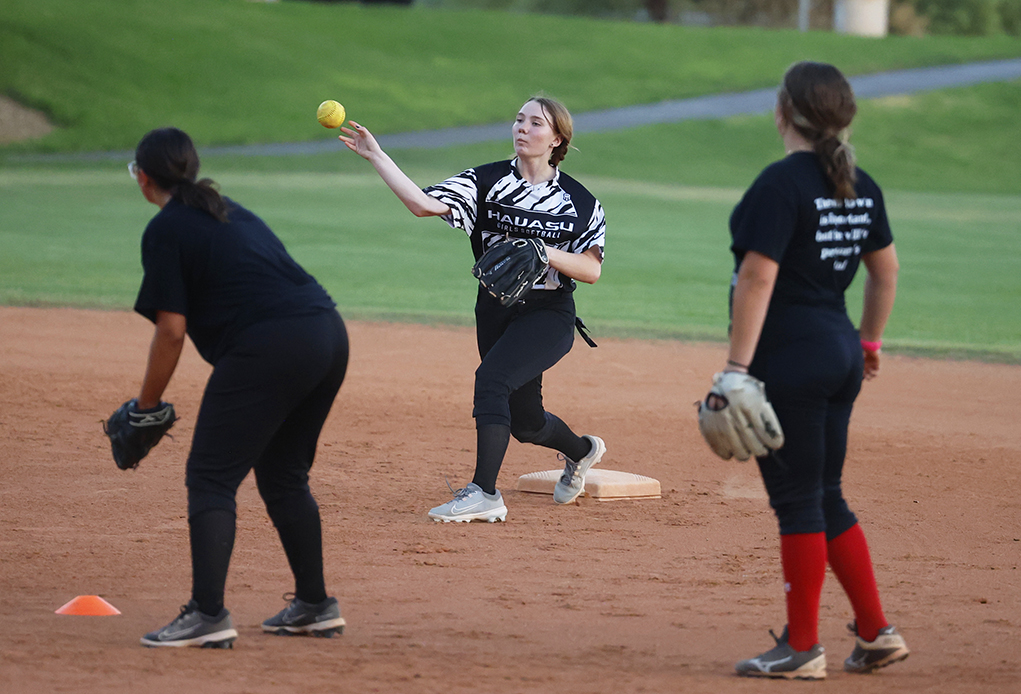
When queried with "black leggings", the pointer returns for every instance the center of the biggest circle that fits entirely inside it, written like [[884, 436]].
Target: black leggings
[[263, 409]]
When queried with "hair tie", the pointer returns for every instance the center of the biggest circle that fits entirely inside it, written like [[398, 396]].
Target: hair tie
[[799, 120]]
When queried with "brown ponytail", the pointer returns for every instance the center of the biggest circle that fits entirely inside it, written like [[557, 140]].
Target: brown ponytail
[[819, 103], [168, 157], [838, 160]]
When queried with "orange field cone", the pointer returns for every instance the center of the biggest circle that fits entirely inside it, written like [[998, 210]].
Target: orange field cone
[[89, 606]]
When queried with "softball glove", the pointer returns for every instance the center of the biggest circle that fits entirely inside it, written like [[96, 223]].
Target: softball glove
[[133, 432], [736, 419], [510, 268]]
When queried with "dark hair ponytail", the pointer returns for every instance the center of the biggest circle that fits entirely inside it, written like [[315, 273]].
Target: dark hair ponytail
[[168, 157], [819, 103], [838, 161]]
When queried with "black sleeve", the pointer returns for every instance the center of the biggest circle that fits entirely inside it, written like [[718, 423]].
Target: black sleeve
[[765, 220], [163, 284]]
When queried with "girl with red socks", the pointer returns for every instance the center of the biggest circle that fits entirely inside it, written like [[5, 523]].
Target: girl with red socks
[[799, 234]]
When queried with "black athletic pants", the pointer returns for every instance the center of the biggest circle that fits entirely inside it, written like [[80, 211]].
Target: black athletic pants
[[811, 362], [263, 409], [517, 344]]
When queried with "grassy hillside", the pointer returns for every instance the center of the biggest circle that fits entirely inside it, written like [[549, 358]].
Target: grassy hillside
[[233, 71], [953, 140]]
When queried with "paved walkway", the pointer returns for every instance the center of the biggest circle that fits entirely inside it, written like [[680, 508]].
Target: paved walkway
[[699, 108]]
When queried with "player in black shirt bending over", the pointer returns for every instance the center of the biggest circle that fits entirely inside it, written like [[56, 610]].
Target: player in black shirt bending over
[[527, 197], [799, 234], [279, 350]]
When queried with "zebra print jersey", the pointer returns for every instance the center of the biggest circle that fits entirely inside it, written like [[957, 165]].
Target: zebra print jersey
[[560, 211]]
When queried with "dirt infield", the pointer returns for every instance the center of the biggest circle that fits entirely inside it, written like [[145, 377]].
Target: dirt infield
[[623, 596]]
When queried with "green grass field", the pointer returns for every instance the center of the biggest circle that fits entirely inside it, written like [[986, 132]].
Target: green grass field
[[69, 232], [666, 273]]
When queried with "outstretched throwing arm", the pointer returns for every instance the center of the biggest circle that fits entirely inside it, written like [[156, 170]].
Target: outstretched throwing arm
[[360, 141]]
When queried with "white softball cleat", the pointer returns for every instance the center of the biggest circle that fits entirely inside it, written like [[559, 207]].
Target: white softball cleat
[[572, 482], [471, 504]]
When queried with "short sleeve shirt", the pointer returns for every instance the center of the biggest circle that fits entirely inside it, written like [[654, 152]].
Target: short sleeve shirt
[[561, 211], [221, 277], [790, 215]]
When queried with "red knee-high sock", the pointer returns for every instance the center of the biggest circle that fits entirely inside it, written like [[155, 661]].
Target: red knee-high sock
[[804, 570], [849, 557]]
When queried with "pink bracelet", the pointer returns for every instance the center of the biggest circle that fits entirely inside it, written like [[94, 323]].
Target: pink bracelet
[[871, 346]]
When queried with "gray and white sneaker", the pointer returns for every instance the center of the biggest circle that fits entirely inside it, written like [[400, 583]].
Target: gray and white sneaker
[[888, 648], [192, 628], [469, 504], [783, 661], [572, 482], [304, 618]]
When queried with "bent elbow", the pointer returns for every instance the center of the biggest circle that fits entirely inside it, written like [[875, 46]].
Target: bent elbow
[[589, 275]]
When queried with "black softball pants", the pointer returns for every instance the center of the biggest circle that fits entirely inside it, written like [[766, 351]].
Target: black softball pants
[[517, 344], [812, 369], [263, 409]]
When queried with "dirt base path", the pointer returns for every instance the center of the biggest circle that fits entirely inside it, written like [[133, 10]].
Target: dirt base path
[[625, 596]]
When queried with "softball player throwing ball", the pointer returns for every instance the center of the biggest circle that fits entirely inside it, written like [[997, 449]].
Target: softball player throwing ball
[[526, 197], [279, 350], [799, 234]]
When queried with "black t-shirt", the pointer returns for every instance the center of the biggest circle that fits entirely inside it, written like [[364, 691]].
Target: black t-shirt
[[790, 215], [221, 277]]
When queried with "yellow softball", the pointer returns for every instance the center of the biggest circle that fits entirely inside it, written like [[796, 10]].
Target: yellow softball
[[330, 114]]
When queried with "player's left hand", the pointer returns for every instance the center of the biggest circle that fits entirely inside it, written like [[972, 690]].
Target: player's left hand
[[736, 419], [871, 364], [510, 268], [133, 432]]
